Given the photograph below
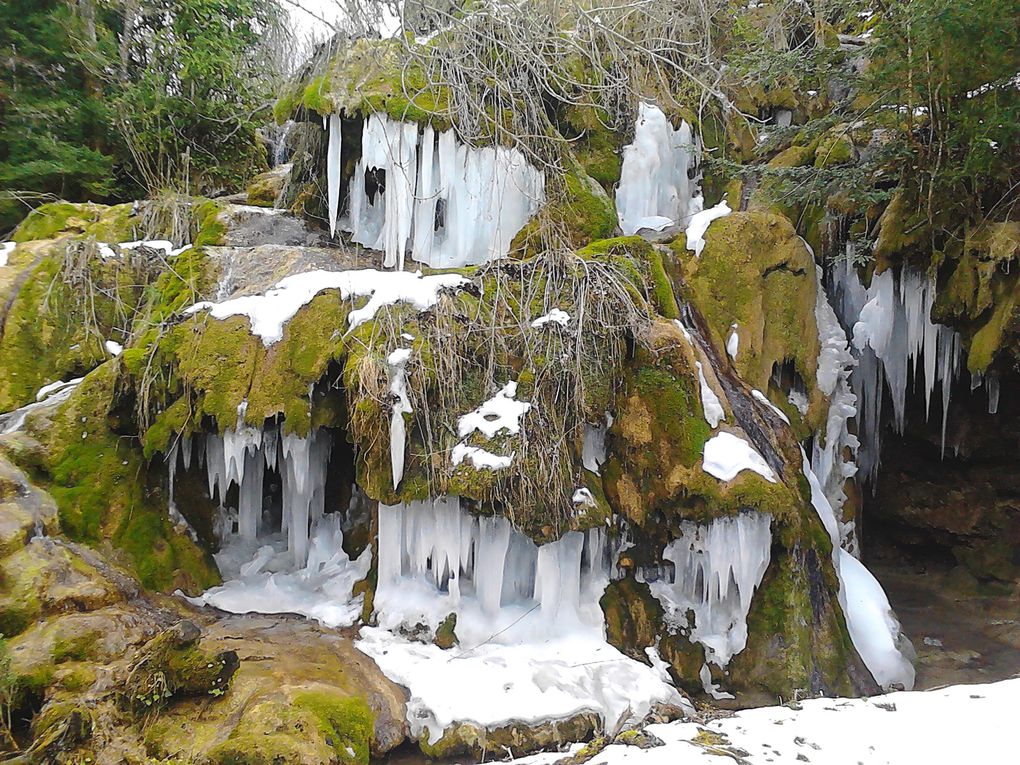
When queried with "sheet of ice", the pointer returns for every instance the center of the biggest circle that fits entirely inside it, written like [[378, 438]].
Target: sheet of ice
[[957, 724], [449, 204], [479, 457], [11, 422], [726, 455], [716, 569], [270, 312], [397, 363], [714, 413], [493, 684], [555, 316], [500, 413], [593, 449], [699, 224], [656, 188], [759, 396], [260, 578], [47, 390], [529, 624], [113, 348], [733, 343], [333, 170], [6, 248], [874, 628]]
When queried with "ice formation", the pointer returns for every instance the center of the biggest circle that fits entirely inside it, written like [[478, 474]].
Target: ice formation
[[48, 390], [716, 570], [593, 449], [656, 187], [714, 413], [894, 339], [726, 455], [499, 413], [528, 620], [873, 626], [830, 448], [47, 396], [479, 457], [761, 397], [262, 578], [6, 248], [268, 313], [240, 457], [397, 362], [733, 343], [447, 204], [699, 224], [113, 348]]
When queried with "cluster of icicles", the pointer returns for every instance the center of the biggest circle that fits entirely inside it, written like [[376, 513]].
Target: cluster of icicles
[[447, 204], [241, 456]]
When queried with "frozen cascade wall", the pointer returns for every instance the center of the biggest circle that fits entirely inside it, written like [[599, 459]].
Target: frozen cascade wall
[[893, 338], [658, 181], [716, 569], [447, 204], [435, 559], [241, 456]]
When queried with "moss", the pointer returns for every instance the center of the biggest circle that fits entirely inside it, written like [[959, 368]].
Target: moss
[[581, 211], [212, 230], [755, 272], [78, 647], [346, 723], [794, 156], [264, 189], [835, 148]]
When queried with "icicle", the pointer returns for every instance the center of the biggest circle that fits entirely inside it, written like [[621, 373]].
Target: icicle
[[992, 386], [333, 171], [717, 569]]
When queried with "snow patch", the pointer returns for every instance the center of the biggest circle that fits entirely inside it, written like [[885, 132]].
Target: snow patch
[[6, 248], [714, 413], [270, 312], [699, 224], [113, 348], [555, 316], [726, 455]]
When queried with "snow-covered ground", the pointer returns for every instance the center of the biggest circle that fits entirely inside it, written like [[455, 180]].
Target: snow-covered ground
[[965, 724]]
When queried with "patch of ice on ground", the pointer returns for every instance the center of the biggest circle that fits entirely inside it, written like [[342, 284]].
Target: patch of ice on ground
[[726, 455], [958, 724], [491, 684], [5, 252], [269, 312]]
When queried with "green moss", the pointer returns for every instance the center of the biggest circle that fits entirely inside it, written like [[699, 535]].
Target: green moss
[[346, 722], [581, 211], [105, 224], [211, 229], [835, 148]]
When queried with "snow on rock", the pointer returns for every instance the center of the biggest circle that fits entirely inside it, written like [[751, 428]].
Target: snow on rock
[[448, 204], [759, 396], [583, 496], [716, 570], [397, 363], [531, 632], [500, 413], [48, 395], [726, 455], [714, 413], [269, 312], [957, 724], [733, 343], [47, 390], [699, 224], [113, 348], [555, 316], [655, 187], [261, 578], [479, 457], [6, 248]]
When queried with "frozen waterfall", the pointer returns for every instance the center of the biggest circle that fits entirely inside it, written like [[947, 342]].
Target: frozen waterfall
[[241, 457], [448, 204], [658, 178]]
